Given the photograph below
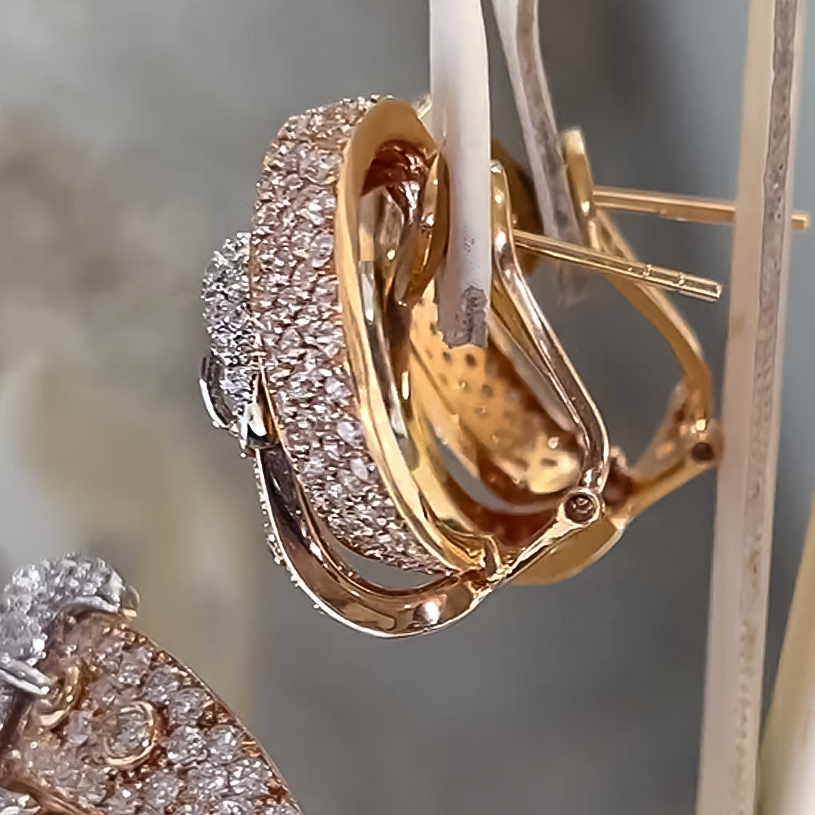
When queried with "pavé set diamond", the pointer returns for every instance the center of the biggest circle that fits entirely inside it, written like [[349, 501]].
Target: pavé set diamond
[[286, 305], [123, 728]]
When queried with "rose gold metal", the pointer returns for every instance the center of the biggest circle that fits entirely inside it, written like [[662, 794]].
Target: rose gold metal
[[677, 207], [52, 709], [689, 440], [596, 260], [138, 755]]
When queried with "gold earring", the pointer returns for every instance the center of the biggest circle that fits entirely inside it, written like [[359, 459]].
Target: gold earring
[[369, 435]]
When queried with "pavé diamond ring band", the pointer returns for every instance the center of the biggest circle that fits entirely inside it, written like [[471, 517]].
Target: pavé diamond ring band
[[96, 718], [370, 436]]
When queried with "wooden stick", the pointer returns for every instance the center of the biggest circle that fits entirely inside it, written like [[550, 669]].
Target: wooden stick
[[787, 769], [750, 415]]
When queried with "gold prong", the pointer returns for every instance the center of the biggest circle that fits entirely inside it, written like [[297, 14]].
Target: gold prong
[[677, 207], [702, 288]]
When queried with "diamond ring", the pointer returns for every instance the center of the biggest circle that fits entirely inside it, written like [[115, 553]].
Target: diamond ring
[[97, 718], [371, 439]]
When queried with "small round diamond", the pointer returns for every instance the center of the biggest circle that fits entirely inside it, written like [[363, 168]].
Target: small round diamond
[[187, 705], [21, 636], [133, 666], [123, 802], [105, 692], [322, 247], [92, 786], [224, 742], [29, 578], [161, 685], [161, 789], [78, 728], [129, 734], [349, 431], [359, 469], [319, 205], [249, 776], [186, 746], [234, 806], [208, 780]]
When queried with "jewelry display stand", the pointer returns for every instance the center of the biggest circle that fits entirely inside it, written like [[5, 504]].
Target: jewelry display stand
[[751, 413], [752, 384]]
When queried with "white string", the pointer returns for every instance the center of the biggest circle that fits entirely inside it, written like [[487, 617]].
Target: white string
[[460, 122]]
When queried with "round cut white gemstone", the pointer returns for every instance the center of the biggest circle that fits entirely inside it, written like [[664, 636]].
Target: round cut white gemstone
[[92, 786], [349, 432], [78, 728], [224, 742], [301, 242], [105, 692], [161, 685], [234, 806], [320, 205], [187, 705], [65, 776], [359, 469], [123, 802], [326, 166], [291, 183], [322, 247], [336, 389], [249, 776], [315, 164], [133, 666], [329, 340], [161, 789], [21, 636], [186, 746], [30, 578], [129, 732], [290, 339], [18, 602], [332, 448], [208, 780], [315, 466], [282, 809], [326, 293]]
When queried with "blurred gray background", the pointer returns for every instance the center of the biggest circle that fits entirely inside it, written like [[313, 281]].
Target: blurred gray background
[[131, 134]]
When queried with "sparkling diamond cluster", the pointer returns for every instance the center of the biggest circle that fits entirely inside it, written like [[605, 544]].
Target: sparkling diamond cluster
[[144, 737], [227, 315], [295, 303], [34, 597]]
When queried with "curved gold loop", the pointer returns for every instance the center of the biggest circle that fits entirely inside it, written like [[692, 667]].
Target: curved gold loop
[[689, 441]]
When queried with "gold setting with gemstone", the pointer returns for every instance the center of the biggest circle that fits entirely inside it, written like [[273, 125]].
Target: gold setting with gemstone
[[125, 727], [371, 436]]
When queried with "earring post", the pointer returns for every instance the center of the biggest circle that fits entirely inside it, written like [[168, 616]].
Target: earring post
[[702, 288], [677, 207]]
